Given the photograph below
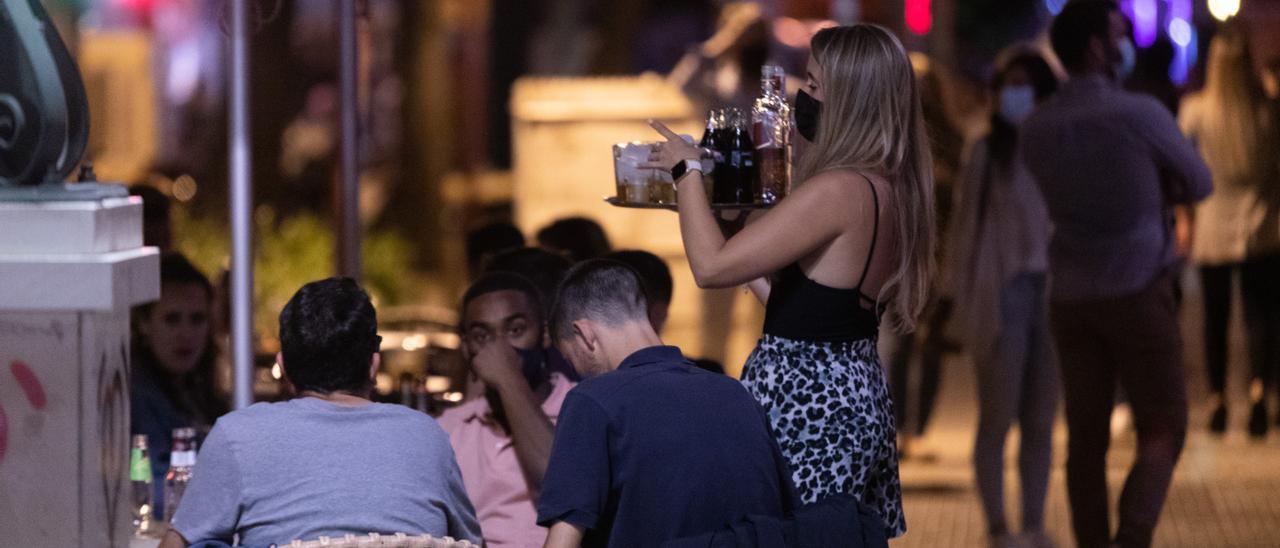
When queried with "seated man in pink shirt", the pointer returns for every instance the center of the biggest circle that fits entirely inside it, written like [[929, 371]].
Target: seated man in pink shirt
[[503, 440]]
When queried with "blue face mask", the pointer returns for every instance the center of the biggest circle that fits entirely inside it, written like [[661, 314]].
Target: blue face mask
[[1016, 103], [1128, 59]]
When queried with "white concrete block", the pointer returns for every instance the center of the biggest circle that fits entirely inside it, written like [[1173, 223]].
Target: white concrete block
[[70, 227]]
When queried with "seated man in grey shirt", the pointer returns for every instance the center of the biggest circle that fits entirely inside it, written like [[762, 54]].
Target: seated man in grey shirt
[[329, 462]]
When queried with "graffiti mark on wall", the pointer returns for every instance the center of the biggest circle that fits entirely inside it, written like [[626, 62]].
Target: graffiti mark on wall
[[113, 406], [30, 384], [32, 389], [25, 329]]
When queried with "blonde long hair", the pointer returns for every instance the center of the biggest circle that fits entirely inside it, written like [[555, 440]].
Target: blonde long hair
[[1234, 126], [872, 121]]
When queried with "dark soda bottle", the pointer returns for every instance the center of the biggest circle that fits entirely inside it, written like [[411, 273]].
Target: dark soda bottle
[[740, 188], [709, 137], [711, 143]]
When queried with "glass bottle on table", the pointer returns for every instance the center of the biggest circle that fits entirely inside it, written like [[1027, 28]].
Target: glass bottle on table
[[142, 504], [182, 459], [771, 128]]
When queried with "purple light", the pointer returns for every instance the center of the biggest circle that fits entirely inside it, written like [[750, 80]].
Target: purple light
[[1180, 32], [1145, 22], [1183, 35], [1054, 6]]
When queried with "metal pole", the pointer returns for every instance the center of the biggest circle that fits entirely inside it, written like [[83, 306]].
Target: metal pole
[[241, 211], [349, 197]]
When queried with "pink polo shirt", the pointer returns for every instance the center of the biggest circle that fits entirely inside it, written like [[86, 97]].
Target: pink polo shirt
[[491, 473]]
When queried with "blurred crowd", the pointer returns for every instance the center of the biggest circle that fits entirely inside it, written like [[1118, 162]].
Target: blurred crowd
[[1067, 220]]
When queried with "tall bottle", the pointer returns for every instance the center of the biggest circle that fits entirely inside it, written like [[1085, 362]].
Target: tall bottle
[[738, 185], [711, 142], [771, 127], [140, 478], [181, 460]]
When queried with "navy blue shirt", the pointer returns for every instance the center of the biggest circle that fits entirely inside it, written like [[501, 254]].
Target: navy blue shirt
[[660, 449]]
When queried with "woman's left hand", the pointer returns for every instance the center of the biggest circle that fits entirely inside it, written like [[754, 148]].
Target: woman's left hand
[[674, 150]]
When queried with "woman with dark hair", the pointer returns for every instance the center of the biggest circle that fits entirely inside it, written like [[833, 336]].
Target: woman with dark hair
[[173, 383], [853, 242], [1000, 246]]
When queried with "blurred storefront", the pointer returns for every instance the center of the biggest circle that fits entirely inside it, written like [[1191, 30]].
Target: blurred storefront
[[452, 138]]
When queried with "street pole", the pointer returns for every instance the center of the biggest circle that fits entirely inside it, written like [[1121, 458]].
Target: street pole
[[241, 211], [349, 195]]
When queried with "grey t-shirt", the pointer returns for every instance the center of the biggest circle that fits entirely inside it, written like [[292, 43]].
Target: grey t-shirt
[[275, 472]]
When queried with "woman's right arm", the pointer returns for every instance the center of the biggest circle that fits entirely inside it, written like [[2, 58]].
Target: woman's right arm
[[760, 287], [813, 215]]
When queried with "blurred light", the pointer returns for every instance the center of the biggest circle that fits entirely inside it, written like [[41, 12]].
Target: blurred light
[[1224, 9], [162, 183], [1183, 34], [1055, 6], [920, 62], [414, 342], [276, 371], [382, 383], [1184, 60], [454, 397], [1180, 32], [437, 383], [820, 24], [447, 340], [184, 188], [1145, 22], [791, 32], [794, 33], [919, 16], [184, 71], [142, 6]]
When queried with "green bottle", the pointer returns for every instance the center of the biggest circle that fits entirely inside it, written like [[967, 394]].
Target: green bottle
[[140, 477]]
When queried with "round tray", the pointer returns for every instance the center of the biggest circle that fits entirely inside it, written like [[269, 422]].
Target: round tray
[[615, 202]]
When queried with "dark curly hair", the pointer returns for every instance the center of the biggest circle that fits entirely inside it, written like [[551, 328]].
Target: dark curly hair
[[328, 334]]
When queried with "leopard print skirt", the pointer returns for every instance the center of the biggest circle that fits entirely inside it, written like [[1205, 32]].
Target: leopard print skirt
[[830, 408]]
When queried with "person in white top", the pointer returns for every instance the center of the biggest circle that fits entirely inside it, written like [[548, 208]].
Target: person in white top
[[1237, 228], [1000, 246]]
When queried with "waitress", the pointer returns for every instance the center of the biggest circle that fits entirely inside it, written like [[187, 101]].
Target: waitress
[[851, 244]]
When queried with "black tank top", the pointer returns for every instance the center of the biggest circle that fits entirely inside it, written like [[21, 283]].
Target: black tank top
[[802, 309]]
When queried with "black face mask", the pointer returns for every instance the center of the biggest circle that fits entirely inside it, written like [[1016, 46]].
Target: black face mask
[[807, 112], [533, 367], [533, 364]]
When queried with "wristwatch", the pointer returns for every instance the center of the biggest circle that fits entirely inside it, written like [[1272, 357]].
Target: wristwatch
[[681, 169]]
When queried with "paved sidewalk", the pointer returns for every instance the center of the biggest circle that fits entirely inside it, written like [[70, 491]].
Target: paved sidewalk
[[1226, 491]]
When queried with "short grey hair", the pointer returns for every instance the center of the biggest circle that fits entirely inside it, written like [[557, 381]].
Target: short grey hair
[[600, 290]]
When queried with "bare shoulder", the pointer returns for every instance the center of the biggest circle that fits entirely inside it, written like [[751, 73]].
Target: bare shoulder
[[844, 191], [844, 186]]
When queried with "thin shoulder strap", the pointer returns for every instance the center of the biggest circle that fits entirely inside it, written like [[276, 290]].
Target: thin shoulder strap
[[875, 234]]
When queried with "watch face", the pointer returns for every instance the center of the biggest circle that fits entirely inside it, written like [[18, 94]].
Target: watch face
[[678, 171]]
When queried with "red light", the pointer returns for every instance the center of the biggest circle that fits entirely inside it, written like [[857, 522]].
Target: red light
[[919, 16], [138, 6]]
